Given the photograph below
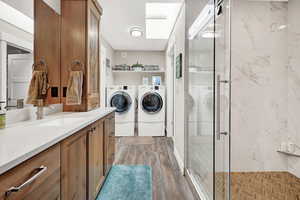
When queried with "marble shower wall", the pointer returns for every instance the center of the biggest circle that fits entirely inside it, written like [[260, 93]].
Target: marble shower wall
[[294, 82], [259, 85]]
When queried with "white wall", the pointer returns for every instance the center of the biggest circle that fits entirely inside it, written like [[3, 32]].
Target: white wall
[[178, 35], [106, 76], [110, 54]]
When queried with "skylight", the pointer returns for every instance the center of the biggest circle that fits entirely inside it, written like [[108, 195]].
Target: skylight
[[15, 17], [160, 19]]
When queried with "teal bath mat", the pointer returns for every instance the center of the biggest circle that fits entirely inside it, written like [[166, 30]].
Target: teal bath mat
[[126, 182]]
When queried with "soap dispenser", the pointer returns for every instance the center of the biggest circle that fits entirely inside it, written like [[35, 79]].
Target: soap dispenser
[[2, 115]]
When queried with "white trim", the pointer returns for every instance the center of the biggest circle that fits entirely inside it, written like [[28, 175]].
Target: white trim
[[5, 39], [15, 41], [179, 160], [3, 76], [170, 82], [16, 18]]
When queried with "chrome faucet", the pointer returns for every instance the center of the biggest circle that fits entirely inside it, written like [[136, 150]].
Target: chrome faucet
[[40, 109]]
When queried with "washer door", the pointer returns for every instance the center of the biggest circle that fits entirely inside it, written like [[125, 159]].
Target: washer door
[[152, 102], [121, 101]]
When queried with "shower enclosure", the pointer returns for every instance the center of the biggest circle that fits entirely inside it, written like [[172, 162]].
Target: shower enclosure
[[208, 100], [244, 99]]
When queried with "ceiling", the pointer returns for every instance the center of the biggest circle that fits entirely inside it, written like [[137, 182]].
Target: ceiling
[[24, 6], [119, 16]]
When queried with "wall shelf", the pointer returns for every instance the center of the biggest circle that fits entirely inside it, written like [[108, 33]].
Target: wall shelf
[[140, 72], [288, 154]]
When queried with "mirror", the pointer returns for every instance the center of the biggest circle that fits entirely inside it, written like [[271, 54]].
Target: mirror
[[17, 38], [19, 67]]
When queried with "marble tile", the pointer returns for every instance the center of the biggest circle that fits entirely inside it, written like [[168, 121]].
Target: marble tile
[[294, 82], [259, 85]]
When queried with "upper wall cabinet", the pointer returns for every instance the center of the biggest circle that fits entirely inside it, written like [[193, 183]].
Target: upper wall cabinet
[[80, 40], [47, 46]]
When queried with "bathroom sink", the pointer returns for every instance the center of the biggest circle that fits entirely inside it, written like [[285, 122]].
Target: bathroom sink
[[61, 122]]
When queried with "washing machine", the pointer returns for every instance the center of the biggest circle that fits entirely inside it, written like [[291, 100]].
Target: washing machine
[[151, 110], [123, 98]]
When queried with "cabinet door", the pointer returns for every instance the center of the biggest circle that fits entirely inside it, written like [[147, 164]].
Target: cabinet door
[[109, 151], [93, 52], [95, 159], [47, 46], [43, 169], [73, 167], [73, 46]]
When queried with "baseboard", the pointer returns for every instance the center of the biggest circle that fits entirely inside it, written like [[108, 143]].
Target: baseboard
[[179, 160]]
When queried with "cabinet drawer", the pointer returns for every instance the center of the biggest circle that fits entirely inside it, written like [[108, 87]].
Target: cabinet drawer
[[35, 179]]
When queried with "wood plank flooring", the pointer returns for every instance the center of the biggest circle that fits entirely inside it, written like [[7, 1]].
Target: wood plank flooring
[[157, 152]]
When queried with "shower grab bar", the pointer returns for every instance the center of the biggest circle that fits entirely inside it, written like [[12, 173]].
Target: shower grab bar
[[218, 108]]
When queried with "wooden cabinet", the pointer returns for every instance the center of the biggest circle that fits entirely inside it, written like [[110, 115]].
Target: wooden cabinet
[[93, 51], [95, 159], [80, 40], [109, 142], [74, 169], [86, 159], [74, 166], [60, 41], [47, 46], [38, 178]]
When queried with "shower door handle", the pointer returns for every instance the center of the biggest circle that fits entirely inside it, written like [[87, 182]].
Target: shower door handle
[[218, 108]]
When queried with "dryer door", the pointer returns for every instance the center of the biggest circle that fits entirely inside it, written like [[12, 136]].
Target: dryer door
[[121, 101], [152, 102]]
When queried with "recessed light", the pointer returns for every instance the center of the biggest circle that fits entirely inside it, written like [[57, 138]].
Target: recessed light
[[136, 32]]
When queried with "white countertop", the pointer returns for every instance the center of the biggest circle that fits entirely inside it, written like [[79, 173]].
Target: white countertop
[[21, 141]]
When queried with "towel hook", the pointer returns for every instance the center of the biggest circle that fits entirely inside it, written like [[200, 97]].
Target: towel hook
[[76, 63], [41, 63]]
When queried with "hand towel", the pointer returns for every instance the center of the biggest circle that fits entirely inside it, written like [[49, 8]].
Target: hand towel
[[74, 91], [38, 87]]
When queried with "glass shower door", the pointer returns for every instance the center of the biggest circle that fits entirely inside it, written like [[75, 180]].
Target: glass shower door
[[200, 162], [222, 100], [208, 99]]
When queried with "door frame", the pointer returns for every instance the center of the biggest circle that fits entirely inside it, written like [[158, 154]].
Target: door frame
[[6, 39], [171, 86]]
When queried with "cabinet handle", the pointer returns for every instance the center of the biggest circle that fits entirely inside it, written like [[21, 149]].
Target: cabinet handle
[[40, 170]]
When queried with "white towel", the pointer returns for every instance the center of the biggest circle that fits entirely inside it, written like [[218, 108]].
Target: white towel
[[74, 91]]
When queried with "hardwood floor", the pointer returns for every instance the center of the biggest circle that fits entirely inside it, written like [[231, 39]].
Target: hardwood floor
[[157, 152]]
